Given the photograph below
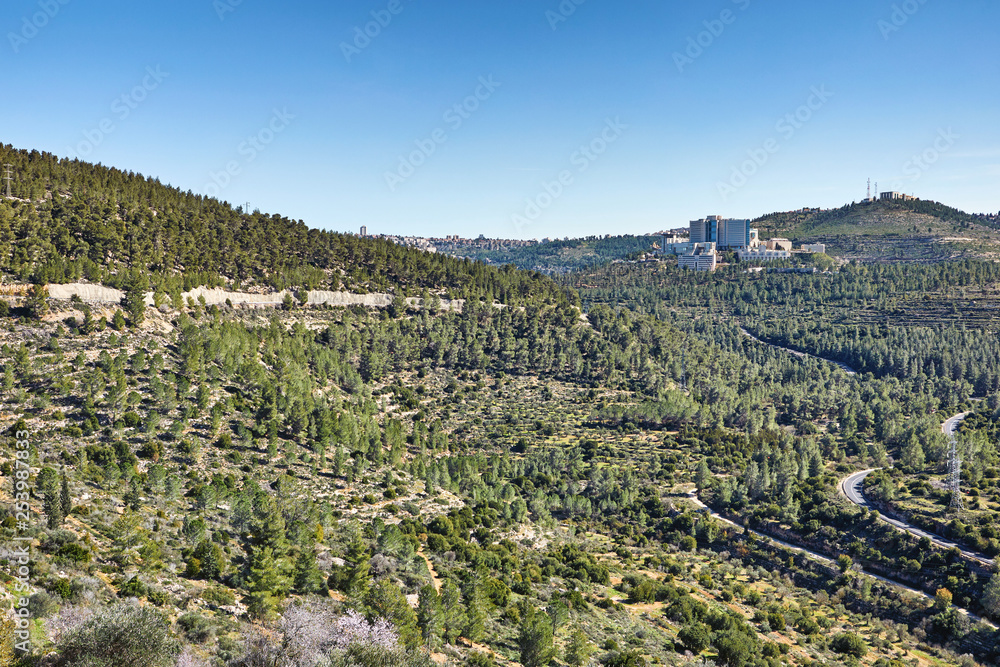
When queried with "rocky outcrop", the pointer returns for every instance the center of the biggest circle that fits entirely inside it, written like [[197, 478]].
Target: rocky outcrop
[[98, 294]]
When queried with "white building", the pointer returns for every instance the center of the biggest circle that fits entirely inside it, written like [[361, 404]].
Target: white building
[[814, 247], [763, 255], [700, 258]]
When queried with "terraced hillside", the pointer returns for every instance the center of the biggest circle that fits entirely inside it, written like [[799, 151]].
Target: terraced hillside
[[920, 231]]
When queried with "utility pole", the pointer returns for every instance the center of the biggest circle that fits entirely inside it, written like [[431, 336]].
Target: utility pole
[[8, 177]]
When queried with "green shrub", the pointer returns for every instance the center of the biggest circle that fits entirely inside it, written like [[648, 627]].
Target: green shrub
[[73, 552], [848, 643], [42, 605], [124, 635], [133, 588], [196, 627]]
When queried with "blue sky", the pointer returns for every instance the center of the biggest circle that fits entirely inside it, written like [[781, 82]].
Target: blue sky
[[573, 119]]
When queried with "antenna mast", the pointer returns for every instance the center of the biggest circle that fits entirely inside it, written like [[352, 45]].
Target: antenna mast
[[869, 189]]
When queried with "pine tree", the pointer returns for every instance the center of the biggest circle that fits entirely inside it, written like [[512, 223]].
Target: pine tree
[[578, 649], [338, 461], [37, 302], [132, 498], [53, 508], [358, 569], [308, 578], [429, 616], [913, 454], [49, 489], [134, 301], [385, 600], [64, 498], [702, 476], [475, 612], [211, 558], [264, 583], [535, 639], [454, 619], [991, 594]]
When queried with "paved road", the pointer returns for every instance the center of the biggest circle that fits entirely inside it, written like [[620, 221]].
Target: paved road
[[853, 488], [950, 426], [825, 559], [847, 369]]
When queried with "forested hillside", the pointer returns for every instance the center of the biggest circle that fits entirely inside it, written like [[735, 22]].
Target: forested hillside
[[563, 256], [70, 221], [511, 483]]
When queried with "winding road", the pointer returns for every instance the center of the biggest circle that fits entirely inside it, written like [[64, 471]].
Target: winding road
[[853, 489], [826, 559], [804, 355]]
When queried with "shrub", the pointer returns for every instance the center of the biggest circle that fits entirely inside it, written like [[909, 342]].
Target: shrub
[[848, 643], [62, 588], [631, 658], [133, 588], [124, 635], [695, 637], [43, 605], [73, 552], [196, 627]]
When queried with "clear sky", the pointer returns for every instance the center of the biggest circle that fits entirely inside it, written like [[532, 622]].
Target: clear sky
[[682, 109]]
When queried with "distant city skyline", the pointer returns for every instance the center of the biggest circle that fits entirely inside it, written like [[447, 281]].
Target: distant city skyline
[[525, 119]]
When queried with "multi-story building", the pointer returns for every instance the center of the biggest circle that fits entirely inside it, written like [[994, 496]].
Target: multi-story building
[[727, 234], [814, 247], [701, 257], [890, 196], [779, 244], [763, 255], [705, 231]]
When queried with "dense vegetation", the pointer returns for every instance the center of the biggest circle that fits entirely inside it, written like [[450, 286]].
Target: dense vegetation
[[507, 483], [71, 221], [565, 255]]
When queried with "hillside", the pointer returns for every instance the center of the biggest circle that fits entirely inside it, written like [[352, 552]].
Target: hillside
[[71, 221], [395, 482], [890, 231], [563, 256]]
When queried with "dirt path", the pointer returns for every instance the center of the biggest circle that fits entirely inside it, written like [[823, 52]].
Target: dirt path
[[435, 580]]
